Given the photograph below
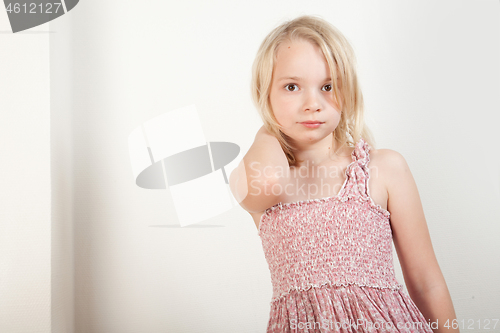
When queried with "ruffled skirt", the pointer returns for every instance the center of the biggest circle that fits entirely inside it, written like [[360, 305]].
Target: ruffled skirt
[[344, 309]]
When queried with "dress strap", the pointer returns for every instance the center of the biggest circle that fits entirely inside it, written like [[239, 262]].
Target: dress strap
[[357, 172]]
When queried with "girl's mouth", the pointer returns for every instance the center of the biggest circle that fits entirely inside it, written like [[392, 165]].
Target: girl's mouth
[[312, 124]]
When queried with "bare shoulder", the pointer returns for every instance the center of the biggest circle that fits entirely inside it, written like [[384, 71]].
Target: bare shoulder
[[388, 161], [387, 168], [387, 157]]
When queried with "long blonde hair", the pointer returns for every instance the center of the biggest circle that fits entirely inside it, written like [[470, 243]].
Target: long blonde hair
[[342, 63]]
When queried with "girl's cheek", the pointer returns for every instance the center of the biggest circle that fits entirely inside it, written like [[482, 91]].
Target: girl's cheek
[[289, 101]]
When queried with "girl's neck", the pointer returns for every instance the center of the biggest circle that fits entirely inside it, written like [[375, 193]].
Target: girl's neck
[[322, 152]]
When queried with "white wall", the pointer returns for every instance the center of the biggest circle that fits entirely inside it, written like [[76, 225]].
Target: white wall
[[61, 134], [430, 76], [25, 181], [36, 238]]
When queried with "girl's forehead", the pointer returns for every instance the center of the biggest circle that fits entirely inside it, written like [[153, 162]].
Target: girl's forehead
[[299, 56], [296, 44]]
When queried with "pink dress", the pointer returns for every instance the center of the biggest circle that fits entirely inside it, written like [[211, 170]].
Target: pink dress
[[331, 262]]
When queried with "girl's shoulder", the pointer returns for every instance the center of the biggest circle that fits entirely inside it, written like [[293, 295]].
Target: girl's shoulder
[[387, 164], [384, 159], [386, 168], [387, 157]]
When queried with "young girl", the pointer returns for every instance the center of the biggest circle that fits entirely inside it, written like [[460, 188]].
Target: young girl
[[327, 205]]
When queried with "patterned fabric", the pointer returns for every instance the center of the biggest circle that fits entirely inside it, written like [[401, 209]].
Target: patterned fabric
[[331, 262]]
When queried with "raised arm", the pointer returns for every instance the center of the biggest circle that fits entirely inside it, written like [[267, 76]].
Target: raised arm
[[423, 277], [263, 167]]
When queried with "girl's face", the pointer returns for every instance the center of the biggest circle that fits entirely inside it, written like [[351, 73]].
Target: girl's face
[[301, 91]]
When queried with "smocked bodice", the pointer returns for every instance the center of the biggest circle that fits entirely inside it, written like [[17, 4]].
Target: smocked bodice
[[341, 240]]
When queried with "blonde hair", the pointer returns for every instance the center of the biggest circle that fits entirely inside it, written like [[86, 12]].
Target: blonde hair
[[342, 63]]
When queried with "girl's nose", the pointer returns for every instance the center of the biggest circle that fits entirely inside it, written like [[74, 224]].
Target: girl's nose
[[312, 102]]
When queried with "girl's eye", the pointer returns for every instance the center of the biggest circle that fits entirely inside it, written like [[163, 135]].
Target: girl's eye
[[328, 85]]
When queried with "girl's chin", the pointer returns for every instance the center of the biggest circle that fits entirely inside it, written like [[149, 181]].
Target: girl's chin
[[308, 138]]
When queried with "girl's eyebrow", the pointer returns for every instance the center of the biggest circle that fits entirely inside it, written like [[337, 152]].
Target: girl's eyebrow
[[296, 78]]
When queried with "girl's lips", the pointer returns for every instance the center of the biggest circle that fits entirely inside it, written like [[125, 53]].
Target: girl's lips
[[312, 124]]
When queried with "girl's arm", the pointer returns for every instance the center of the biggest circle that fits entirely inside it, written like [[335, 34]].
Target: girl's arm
[[259, 180], [423, 277]]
